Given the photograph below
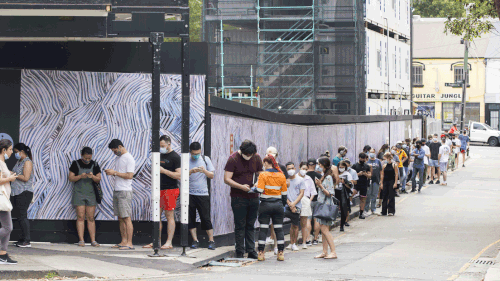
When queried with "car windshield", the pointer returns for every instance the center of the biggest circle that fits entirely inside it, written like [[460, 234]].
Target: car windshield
[[487, 126]]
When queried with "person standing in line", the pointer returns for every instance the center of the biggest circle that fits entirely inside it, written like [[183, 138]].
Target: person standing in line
[[295, 194], [200, 170], [418, 167], [274, 152], [22, 191], [406, 164], [342, 152], [464, 145], [403, 157], [456, 150], [371, 196], [434, 161], [6, 177], [313, 174], [355, 179], [364, 172], [327, 187], [272, 186], [444, 154], [427, 151], [241, 169], [306, 211], [170, 174], [342, 193], [83, 173], [388, 181], [384, 149], [122, 195], [366, 149]]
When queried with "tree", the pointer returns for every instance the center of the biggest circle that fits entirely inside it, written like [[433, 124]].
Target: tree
[[438, 9], [195, 19]]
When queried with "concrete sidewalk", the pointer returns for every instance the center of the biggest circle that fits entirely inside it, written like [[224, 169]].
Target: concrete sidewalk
[[493, 273]]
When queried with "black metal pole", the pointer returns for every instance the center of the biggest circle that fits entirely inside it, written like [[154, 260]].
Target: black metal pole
[[156, 39], [185, 141]]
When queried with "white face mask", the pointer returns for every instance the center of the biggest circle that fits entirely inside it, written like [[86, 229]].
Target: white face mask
[[303, 172], [246, 157], [163, 150], [341, 170], [291, 172]]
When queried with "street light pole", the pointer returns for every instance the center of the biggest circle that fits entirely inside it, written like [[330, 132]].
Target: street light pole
[[387, 63], [465, 72]]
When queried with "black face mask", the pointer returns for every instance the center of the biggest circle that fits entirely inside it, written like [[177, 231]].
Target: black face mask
[[361, 161], [418, 146]]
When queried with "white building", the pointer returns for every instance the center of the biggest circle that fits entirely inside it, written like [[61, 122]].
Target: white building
[[388, 56], [492, 95]]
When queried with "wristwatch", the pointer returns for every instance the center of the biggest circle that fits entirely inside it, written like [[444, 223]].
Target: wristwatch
[[115, 174]]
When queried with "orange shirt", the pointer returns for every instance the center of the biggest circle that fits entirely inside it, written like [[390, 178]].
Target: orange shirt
[[402, 154], [272, 185]]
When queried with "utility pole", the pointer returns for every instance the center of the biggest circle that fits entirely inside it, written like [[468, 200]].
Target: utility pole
[[387, 62], [466, 71]]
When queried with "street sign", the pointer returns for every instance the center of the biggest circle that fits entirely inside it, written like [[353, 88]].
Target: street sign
[[459, 84]]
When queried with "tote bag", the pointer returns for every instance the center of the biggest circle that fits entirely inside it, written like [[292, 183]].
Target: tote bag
[[5, 205]]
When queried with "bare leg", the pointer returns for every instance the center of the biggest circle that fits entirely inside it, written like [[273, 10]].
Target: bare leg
[[129, 230], [438, 173], [294, 234], [362, 202], [170, 228], [193, 234], [316, 229], [305, 229], [123, 232], [210, 234], [90, 213], [80, 221], [328, 240]]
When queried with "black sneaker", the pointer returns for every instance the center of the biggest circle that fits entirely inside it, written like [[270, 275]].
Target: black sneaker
[[211, 245], [346, 224], [315, 242], [413, 190], [342, 229], [431, 182], [396, 195], [361, 217], [309, 243], [24, 244], [5, 259], [195, 245], [438, 182], [253, 255], [239, 256], [404, 192], [463, 165]]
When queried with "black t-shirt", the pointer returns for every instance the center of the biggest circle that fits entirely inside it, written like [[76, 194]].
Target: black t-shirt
[[407, 162], [170, 161], [283, 169], [74, 167], [434, 147], [314, 175], [363, 180]]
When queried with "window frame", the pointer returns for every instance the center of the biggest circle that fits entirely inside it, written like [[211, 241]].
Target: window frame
[[418, 76]]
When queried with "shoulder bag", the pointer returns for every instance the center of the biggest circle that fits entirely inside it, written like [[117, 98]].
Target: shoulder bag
[[97, 189], [326, 211], [5, 204]]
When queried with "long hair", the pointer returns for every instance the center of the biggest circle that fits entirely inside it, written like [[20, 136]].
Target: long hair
[[328, 167], [22, 147], [383, 148], [271, 160]]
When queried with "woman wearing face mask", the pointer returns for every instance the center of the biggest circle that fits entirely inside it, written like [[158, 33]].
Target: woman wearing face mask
[[6, 177], [327, 190], [82, 173], [342, 191], [306, 211], [382, 151], [388, 183], [22, 191]]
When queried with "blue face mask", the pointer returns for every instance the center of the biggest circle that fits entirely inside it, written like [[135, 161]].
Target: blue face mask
[[18, 156], [163, 150], [5, 156], [195, 157]]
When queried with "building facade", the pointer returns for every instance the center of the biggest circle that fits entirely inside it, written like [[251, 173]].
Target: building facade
[[437, 64], [492, 95], [309, 56]]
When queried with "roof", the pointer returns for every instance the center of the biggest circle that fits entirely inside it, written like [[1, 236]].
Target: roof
[[430, 41], [493, 50]]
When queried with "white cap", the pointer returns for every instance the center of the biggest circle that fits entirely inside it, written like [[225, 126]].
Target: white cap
[[272, 150], [399, 142]]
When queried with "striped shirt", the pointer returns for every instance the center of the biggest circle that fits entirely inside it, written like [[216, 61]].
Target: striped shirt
[[272, 186], [19, 186]]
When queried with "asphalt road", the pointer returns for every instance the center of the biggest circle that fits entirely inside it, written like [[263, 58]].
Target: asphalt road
[[433, 236]]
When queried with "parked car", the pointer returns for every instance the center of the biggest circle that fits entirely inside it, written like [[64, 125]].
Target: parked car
[[480, 132]]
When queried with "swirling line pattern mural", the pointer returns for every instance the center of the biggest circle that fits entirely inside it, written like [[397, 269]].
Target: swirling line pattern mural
[[63, 111]]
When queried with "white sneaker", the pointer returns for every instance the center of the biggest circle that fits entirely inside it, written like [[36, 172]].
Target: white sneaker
[[376, 213], [295, 248], [275, 251], [269, 240], [367, 214], [289, 247], [304, 246]]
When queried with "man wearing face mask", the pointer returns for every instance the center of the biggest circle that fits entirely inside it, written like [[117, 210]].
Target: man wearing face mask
[[371, 196], [355, 178], [122, 196], [294, 205], [200, 170], [402, 158], [241, 173], [434, 161], [406, 163], [364, 172], [312, 167], [418, 167], [340, 156]]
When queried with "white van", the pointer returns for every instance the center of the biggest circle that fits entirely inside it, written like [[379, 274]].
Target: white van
[[480, 132]]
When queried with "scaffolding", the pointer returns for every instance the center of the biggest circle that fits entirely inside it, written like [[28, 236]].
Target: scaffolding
[[307, 56]]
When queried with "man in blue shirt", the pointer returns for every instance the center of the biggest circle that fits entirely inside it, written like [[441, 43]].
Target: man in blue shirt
[[464, 139], [418, 167], [340, 156]]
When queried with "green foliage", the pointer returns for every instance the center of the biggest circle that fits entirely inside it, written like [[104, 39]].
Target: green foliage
[[195, 9], [438, 8], [477, 23], [51, 275]]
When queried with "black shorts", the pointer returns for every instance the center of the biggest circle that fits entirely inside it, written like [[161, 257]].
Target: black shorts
[[294, 217], [202, 205], [363, 190]]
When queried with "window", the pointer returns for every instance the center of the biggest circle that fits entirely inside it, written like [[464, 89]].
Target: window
[[418, 73], [459, 73], [451, 113], [478, 126], [399, 9], [379, 60]]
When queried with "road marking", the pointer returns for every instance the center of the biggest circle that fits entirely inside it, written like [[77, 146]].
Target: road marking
[[466, 266]]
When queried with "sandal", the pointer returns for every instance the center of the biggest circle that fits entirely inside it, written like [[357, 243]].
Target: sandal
[[95, 244], [117, 246], [323, 255], [81, 244], [148, 246], [165, 247], [331, 256], [125, 248]]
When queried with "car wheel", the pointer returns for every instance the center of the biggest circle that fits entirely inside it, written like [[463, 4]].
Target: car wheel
[[493, 141]]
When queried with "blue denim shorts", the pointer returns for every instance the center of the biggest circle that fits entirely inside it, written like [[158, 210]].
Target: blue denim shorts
[[433, 163]]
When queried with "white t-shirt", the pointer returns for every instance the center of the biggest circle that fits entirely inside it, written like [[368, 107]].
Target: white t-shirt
[[346, 176], [444, 151], [458, 143], [427, 150], [449, 143], [124, 164]]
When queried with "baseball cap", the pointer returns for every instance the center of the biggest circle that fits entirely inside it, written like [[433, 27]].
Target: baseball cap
[[423, 140], [272, 150], [311, 162], [399, 142]]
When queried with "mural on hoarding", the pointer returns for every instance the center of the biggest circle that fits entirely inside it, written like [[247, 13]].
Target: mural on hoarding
[[63, 111]]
